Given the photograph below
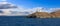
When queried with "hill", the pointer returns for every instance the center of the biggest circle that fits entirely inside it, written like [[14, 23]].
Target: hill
[[54, 14]]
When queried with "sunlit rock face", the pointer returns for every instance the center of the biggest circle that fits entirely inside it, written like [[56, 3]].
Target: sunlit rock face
[[56, 13], [41, 15]]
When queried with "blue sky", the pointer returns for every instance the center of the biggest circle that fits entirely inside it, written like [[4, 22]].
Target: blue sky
[[33, 5], [37, 3]]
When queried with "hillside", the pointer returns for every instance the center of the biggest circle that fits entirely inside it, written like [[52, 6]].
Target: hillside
[[55, 14]]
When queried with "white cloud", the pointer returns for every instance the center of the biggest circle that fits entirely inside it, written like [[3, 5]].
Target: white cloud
[[22, 9], [40, 9], [54, 9]]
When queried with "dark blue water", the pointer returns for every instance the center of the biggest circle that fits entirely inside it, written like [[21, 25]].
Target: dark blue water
[[23, 21]]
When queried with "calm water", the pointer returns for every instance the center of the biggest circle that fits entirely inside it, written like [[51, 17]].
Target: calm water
[[23, 21]]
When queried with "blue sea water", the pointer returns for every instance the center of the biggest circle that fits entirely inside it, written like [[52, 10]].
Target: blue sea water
[[23, 21]]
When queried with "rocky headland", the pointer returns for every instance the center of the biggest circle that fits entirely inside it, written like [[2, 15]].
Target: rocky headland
[[55, 14]]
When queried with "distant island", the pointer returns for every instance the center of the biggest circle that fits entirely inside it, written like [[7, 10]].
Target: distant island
[[54, 14]]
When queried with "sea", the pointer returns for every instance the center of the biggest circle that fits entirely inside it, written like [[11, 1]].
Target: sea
[[24, 21]]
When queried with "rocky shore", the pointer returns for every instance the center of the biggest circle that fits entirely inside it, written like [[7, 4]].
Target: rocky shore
[[55, 14]]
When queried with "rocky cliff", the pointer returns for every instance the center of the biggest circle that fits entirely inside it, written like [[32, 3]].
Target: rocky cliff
[[55, 14]]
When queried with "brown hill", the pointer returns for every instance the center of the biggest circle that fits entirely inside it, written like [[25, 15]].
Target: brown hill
[[55, 14], [41, 15]]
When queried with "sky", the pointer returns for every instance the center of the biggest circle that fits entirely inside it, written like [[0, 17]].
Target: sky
[[37, 3], [34, 4]]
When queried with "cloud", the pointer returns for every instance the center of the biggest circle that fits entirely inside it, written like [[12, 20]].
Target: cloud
[[29, 10], [40, 9], [54, 9]]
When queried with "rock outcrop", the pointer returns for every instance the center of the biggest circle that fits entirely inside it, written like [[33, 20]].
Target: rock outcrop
[[40, 15], [55, 14]]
